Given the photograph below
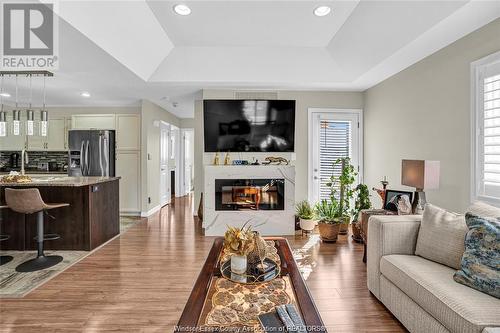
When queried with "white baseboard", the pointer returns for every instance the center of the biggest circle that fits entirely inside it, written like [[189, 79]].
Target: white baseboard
[[151, 211]]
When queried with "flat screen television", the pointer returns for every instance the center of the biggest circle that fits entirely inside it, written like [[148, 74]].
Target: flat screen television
[[249, 125]]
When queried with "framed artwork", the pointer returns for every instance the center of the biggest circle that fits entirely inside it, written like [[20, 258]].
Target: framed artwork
[[395, 199]]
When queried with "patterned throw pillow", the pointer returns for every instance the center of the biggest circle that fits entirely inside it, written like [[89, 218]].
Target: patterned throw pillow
[[481, 260]]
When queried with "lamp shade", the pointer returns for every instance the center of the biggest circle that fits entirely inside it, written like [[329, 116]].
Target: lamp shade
[[421, 174]]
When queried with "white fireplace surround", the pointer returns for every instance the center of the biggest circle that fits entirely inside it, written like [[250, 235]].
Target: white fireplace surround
[[267, 222]]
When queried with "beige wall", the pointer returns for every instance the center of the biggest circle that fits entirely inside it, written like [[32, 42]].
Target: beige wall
[[423, 112], [150, 144], [304, 100]]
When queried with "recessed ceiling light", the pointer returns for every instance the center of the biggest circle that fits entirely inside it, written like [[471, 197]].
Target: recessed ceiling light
[[322, 11], [85, 94], [182, 9], [4, 94]]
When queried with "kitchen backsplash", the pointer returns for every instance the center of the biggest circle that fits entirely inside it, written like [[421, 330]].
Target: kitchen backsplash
[[36, 157]]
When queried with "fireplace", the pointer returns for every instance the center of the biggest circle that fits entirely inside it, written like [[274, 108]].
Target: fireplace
[[249, 194]]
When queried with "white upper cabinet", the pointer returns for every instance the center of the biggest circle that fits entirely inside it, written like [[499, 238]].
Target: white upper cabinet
[[12, 142], [93, 121], [128, 131], [56, 139]]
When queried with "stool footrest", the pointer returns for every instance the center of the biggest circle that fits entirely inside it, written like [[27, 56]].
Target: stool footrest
[[48, 237]]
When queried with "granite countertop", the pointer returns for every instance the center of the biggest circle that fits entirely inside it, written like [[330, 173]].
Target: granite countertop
[[63, 181], [36, 172]]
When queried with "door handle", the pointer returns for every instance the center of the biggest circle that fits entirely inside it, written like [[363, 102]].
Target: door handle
[[82, 159], [87, 162]]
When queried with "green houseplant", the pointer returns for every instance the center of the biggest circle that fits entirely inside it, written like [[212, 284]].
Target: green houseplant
[[341, 191], [362, 202], [306, 216], [325, 212]]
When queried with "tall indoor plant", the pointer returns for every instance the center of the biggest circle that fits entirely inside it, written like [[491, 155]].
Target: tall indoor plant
[[362, 202], [341, 190]]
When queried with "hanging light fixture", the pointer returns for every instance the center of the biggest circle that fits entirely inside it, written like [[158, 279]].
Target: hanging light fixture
[[44, 117], [3, 117], [16, 117], [30, 120]]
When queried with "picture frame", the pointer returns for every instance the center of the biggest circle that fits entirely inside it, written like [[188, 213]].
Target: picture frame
[[391, 199]]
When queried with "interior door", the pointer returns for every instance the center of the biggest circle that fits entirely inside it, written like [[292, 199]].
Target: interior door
[[164, 172], [333, 135]]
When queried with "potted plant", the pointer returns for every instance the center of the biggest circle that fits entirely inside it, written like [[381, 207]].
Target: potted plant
[[341, 190], [329, 223], [362, 202], [239, 242], [306, 216]]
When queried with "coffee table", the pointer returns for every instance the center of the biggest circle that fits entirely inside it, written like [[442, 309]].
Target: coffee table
[[210, 272]]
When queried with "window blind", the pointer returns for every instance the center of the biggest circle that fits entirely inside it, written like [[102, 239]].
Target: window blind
[[334, 142], [491, 135]]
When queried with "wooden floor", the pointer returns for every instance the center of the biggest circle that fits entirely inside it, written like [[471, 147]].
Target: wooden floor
[[140, 282]]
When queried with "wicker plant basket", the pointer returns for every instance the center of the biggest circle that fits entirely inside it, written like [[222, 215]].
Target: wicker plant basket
[[356, 232], [328, 231]]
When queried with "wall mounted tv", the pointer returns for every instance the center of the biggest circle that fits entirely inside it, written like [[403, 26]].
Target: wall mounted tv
[[249, 125]]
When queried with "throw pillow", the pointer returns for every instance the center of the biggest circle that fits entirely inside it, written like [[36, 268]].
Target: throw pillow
[[441, 236], [481, 260]]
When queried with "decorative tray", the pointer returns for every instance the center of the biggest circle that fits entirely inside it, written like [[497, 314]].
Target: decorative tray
[[252, 275]]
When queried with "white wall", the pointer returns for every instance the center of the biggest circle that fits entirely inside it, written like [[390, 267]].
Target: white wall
[[423, 112], [304, 100]]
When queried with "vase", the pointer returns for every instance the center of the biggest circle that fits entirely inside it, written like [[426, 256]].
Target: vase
[[238, 264]]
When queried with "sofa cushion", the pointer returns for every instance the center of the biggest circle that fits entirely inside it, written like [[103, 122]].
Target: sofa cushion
[[431, 285], [483, 209], [441, 236], [481, 260]]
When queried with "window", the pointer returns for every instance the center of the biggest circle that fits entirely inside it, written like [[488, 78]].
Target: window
[[485, 75]]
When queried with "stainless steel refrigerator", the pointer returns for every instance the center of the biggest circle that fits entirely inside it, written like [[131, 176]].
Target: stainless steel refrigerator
[[91, 153]]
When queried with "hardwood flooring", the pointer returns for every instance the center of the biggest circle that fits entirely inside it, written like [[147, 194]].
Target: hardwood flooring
[[140, 282]]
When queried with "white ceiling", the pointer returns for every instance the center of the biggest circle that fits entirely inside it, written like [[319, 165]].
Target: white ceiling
[[125, 51]]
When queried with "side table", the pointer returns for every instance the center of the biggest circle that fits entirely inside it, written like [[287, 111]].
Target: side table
[[365, 217]]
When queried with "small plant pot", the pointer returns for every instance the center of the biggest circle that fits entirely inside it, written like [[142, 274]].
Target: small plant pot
[[307, 225], [344, 225], [356, 232], [238, 264], [328, 231]]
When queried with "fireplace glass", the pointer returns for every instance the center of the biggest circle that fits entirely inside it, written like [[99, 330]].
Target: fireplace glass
[[249, 194]]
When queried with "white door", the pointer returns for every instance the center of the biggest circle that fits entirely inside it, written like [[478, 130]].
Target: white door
[[164, 171], [333, 134], [188, 161]]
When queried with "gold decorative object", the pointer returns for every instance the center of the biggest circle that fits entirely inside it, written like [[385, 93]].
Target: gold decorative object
[[239, 241], [275, 160], [216, 159], [227, 159]]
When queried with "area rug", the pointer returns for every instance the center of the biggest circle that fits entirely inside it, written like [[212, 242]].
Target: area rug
[[14, 284]]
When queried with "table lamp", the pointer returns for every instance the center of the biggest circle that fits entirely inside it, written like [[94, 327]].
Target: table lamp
[[423, 175]]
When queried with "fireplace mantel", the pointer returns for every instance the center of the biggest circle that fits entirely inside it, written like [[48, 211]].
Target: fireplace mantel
[[267, 222]]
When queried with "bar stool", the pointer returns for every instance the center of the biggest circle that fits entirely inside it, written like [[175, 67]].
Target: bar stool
[[29, 201], [4, 259]]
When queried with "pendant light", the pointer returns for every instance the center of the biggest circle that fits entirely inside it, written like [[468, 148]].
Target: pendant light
[[3, 117], [44, 117], [30, 120], [16, 117]]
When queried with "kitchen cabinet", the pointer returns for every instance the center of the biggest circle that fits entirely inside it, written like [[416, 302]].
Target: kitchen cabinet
[[93, 121], [12, 142], [128, 168], [128, 130], [56, 137]]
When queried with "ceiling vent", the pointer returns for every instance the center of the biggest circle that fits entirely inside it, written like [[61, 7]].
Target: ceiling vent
[[256, 95]]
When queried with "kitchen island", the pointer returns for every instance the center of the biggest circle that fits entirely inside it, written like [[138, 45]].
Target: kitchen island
[[91, 219]]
